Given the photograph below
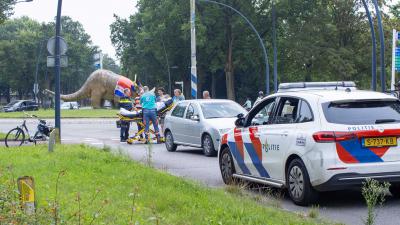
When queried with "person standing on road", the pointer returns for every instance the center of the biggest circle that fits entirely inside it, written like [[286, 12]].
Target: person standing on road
[[148, 102], [247, 104], [162, 96], [206, 95], [178, 96], [125, 103], [259, 98]]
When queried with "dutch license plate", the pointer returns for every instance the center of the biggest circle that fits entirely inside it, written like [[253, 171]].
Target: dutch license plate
[[380, 141]]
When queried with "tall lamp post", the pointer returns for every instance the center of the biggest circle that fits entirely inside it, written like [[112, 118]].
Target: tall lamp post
[[58, 73], [382, 42], [23, 1], [258, 36], [371, 25]]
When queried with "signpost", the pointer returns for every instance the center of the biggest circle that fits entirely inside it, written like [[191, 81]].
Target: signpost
[[98, 57], [395, 58], [26, 187]]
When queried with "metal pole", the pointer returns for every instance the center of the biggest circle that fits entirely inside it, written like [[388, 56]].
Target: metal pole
[[58, 73], [193, 69], [36, 85], [393, 60], [169, 72], [382, 41], [275, 49], [371, 25], [258, 36]]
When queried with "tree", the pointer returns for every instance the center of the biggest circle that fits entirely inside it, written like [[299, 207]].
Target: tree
[[110, 64], [6, 7]]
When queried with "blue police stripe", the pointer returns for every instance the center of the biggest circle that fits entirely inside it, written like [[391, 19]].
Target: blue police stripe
[[256, 161], [194, 79], [194, 94], [238, 157], [363, 155]]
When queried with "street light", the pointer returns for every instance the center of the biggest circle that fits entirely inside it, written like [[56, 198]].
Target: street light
[[23, 1], [258, 36]]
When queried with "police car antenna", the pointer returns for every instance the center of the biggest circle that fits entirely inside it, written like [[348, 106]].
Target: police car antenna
[[336, 88]]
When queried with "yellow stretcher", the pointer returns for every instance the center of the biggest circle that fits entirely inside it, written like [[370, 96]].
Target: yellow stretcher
[[139, 121]]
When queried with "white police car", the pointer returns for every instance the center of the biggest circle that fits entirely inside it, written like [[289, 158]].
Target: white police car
[[308, 139]]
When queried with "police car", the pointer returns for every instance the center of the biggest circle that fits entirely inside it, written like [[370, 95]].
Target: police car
[[314, 137]]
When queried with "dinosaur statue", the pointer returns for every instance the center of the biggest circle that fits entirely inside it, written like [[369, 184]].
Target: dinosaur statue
[[102, 85]]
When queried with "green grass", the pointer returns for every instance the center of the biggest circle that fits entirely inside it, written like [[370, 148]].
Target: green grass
[[2, 136], [81, 113], [121, 185]]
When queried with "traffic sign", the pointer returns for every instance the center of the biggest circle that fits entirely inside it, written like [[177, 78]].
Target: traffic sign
[[51, 61], [51, 46]]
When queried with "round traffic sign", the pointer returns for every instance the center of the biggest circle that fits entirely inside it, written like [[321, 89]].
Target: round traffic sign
[[51, 46]]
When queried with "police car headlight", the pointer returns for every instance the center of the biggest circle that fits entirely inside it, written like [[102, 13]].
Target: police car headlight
[[223, 131]]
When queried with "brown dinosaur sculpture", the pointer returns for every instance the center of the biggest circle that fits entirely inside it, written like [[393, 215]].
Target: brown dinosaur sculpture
[[99, 86]]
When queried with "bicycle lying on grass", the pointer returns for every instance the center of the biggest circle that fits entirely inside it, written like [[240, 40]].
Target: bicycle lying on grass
[[17, 136]]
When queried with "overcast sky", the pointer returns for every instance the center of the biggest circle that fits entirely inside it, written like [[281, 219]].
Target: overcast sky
[[95, 15]]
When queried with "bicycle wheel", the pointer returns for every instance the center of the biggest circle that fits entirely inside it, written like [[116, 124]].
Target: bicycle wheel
[[15, 137]]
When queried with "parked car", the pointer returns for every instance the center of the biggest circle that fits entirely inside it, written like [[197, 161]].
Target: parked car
[[21, 105], [308, 140], [69, 105], [200, 123]]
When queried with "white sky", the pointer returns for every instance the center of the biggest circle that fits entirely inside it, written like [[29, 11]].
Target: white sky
[[95, 15]]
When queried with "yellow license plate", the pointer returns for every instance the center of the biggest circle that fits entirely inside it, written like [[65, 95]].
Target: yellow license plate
[[380, 141]]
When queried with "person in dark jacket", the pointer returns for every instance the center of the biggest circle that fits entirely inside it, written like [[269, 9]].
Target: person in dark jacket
[[125, 103]]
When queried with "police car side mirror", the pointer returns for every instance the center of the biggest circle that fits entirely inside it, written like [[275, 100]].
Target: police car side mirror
[[239, 122]]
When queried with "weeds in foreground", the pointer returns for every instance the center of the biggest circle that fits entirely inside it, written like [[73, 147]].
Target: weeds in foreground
[[374, 193], [314, 212], [149, 155]]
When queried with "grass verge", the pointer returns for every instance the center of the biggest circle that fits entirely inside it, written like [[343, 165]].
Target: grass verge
[[80, 113], [2, 136], [97, 185]]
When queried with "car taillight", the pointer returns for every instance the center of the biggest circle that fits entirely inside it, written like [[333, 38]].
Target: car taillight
[[333, 136]]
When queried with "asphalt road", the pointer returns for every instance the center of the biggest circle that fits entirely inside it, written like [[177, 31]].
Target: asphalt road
[[347, 207]]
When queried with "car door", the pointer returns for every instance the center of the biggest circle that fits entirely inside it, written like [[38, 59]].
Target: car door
[[177, 121], [249, 140], [280, 135], [192, 125]]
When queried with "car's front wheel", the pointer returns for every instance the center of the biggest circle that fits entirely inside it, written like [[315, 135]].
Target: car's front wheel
[[298, 183], [208, 146], [169, 142], [226, 166]]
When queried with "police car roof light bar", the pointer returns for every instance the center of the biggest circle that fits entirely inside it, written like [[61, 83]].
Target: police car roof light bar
[[316, 85]]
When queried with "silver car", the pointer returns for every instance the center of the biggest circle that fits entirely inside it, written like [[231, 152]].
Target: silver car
[[200, 123]]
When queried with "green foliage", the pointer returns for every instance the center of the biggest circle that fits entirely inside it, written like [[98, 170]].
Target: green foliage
[[82, 185], [316, 41], [6, 7], [23, 46], [374, 194]]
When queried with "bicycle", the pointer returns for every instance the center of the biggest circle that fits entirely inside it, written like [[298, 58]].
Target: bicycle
[[16, 136]]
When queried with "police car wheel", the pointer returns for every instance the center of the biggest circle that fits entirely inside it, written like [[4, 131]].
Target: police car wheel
[[208, 146], [395, 190], [298, 184], [169, 142], [226, 166]]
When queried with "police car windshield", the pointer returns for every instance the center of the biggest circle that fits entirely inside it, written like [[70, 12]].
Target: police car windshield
[[362, 112], [221, 109]]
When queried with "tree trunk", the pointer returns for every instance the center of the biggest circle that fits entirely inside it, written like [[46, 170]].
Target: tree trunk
[[214, 85], [230, 79]]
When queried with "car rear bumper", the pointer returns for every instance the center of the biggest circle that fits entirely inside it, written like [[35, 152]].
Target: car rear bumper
[[354, 180]]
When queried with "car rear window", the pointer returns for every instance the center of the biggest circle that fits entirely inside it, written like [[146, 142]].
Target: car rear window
[[362, 112]]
